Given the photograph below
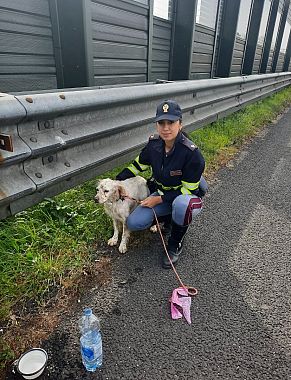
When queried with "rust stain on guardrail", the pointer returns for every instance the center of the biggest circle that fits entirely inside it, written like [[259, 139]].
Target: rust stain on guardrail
[[2, 194], [6, 142]]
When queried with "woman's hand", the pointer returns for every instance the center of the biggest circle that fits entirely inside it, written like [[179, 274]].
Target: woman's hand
[[151, 201]]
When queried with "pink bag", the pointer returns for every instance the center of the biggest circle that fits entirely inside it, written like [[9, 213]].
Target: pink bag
[[180, 304]]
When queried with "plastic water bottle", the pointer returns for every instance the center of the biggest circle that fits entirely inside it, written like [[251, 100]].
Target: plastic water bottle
[[91, 341]]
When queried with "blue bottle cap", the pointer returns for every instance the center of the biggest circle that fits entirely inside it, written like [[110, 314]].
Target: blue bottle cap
[[87, 311]]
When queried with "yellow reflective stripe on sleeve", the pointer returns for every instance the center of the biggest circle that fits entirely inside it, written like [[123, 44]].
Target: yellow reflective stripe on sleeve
[[160, 192], [190, 185], [133, 169], [142, 166], [185, 191], [168, 187], [185, 188]]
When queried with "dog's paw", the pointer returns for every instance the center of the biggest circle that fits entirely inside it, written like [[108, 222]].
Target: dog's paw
[[122, 248], [112, 241], [154, 229]]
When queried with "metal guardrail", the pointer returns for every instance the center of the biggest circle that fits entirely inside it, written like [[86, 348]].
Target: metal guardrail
[[51, 142]]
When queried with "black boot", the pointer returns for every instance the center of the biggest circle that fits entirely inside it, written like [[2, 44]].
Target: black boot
[[167, 226], [175, 245]]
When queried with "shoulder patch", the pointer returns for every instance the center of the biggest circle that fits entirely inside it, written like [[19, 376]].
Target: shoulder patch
[[188, 143], [154, 137]]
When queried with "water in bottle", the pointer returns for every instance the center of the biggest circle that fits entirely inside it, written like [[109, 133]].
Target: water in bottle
[[91, 341]]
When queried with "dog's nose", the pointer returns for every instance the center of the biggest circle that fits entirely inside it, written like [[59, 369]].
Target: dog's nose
[[96, 199]]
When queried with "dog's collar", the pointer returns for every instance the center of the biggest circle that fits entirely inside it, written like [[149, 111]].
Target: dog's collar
[[125, 197]]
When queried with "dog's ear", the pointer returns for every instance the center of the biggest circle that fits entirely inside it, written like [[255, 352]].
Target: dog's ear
[[121, 191]]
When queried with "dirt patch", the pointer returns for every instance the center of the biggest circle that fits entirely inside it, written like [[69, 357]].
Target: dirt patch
[[26, 332]]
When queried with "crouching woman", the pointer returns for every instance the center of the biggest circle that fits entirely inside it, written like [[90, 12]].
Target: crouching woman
[[177, 186]]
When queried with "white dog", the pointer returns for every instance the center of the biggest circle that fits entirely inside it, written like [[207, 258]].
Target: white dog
[[116, 197]]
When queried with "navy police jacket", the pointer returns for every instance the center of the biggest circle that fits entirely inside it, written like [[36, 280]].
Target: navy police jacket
[[175, 172]]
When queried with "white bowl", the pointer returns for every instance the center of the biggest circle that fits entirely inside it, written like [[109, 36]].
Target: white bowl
[[32, 363]]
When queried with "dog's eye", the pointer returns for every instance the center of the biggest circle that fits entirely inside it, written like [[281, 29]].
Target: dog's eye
[[106, 191]]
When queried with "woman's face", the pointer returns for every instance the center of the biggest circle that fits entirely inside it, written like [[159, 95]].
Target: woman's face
[[168, 130]]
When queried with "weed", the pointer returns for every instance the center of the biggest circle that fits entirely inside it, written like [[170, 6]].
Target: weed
[[6, 354]]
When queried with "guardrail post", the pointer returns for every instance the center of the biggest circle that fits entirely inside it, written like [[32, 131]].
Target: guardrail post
[[150, 38], [76, 42], [287, 55], [88, 41], [227, 37], [57, 42], [185, 14], [269, 36], [280, 35], [253, 35]]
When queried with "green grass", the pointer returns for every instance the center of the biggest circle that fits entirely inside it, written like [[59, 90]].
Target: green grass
[[53, 241], [46, 243], [230, 132]]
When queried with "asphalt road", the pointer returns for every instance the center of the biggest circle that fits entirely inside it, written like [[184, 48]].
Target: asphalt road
[[237, 253]]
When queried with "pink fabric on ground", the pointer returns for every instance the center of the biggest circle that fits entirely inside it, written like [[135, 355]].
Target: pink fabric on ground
[[180, 304]]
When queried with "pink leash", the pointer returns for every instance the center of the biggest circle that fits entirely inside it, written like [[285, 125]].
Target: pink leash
[[181, 297], [189, 289]]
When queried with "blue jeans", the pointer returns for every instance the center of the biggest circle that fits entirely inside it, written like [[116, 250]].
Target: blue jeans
[[183, 209]]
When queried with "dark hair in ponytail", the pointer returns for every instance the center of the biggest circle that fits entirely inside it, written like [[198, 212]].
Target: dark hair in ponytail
[[183, 132]]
